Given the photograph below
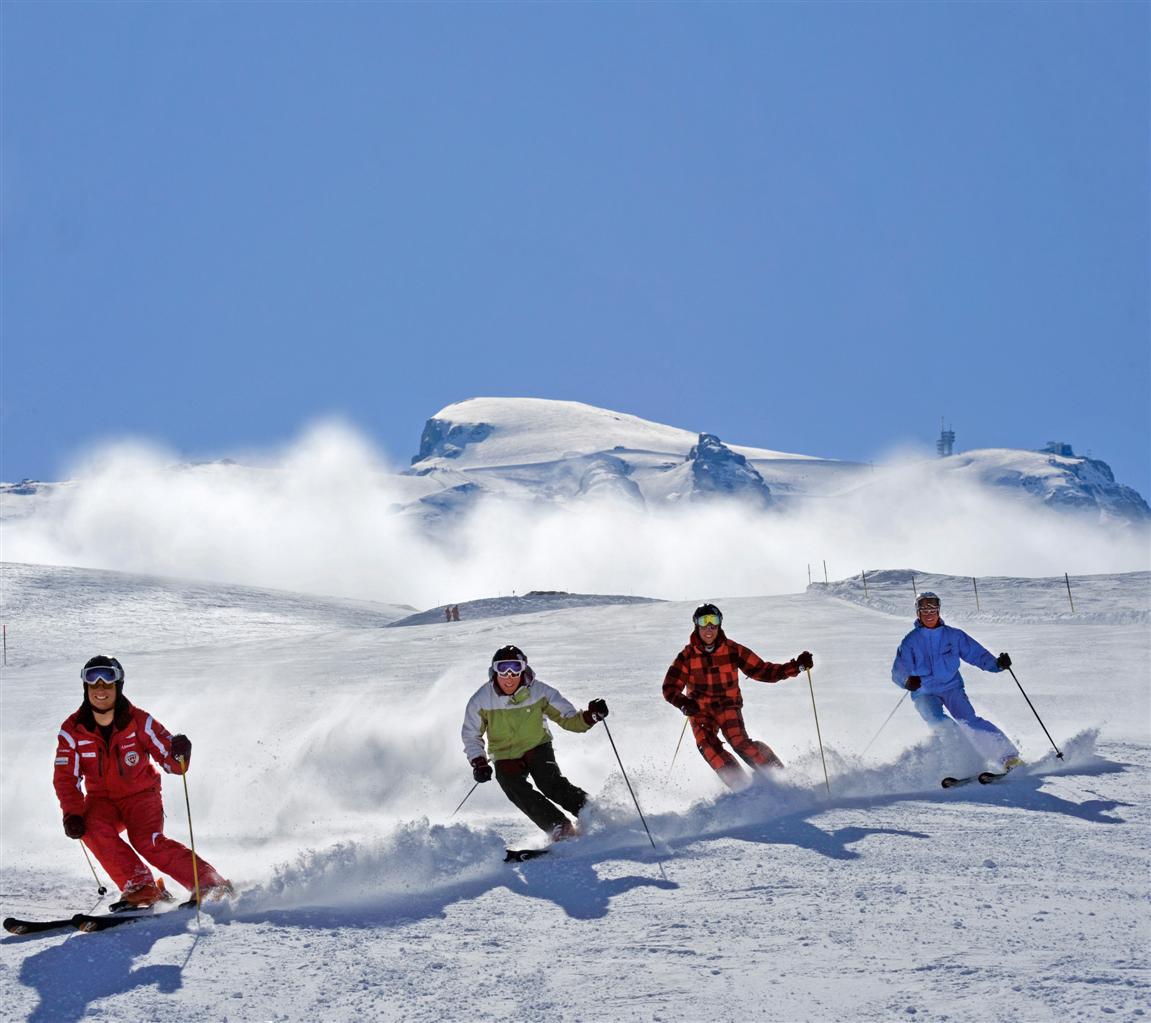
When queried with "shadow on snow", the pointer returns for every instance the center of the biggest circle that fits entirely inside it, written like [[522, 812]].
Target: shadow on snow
[[71, 975]]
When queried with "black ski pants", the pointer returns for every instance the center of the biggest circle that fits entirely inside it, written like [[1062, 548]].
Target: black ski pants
[[539, 765]]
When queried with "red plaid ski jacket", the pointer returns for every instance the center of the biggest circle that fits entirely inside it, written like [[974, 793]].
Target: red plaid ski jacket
[[712, 678]]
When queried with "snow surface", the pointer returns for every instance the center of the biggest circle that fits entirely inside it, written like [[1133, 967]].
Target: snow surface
[[327, 764]]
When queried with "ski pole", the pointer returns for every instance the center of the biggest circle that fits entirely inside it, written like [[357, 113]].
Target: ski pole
[[191, 837], [1058, 754], [884, 725], [817, 735], [100, 889], [629, 788], [465, 799], [682, 733]]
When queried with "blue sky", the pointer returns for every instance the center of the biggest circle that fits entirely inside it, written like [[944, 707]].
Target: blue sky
[[816, 228]]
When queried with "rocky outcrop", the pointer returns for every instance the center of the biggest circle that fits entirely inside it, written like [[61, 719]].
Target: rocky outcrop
[[717, 471], [444, 439]]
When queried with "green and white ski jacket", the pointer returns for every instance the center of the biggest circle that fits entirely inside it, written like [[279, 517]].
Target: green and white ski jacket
[[515, 724]]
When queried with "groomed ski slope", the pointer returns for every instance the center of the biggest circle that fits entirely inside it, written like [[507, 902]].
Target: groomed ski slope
[[326, 765]]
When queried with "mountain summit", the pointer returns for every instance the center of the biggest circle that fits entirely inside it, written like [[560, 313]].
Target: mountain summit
[[550, 451]]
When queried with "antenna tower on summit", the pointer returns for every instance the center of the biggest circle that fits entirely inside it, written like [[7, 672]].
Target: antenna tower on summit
[[946, 443]]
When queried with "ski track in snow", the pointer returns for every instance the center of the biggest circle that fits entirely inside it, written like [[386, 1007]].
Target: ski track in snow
[[888, 898]]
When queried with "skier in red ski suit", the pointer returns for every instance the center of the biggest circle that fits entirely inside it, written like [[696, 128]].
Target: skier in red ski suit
[[106, 785], [708, 667]]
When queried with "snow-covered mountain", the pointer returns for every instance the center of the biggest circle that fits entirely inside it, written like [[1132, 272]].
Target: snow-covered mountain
[[564, 451]]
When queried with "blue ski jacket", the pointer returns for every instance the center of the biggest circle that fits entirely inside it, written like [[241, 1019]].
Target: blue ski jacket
[[934, 655]]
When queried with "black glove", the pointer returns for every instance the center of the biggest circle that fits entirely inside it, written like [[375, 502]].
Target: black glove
[[804, 661], [74, 825], [182, 749], [689, 706], [1003, 662], [596, 711], [913, 682], [481, 769]]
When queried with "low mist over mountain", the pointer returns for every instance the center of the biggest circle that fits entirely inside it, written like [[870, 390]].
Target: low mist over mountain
[[516, 494], [563, 452]]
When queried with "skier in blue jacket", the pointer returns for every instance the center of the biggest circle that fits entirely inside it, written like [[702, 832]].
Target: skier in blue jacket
[[927, 664]]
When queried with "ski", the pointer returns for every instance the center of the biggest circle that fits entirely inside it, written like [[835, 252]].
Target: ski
[[984, 778], [79, 921], [101, 922], [14, 925], [88, 922], [521, 855], [951, 783]]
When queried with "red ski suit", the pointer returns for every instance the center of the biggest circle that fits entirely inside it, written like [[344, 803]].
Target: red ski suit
[[712, 680], [114, 786]]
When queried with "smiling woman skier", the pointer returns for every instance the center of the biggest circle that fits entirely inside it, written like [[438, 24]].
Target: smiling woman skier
[[106, 784], [510, 709]]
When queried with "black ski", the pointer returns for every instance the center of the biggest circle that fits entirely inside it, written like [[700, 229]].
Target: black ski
[[951, 783], [984, 778], [91, 921], [14, 925], [520, 855], [103, 921]]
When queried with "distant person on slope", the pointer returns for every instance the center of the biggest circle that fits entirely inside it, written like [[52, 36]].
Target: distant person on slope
[[708, 669], [927, 664], [106, 784], [510, 709]]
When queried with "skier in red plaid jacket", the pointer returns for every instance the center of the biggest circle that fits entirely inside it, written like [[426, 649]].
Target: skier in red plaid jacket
[[703, 683]]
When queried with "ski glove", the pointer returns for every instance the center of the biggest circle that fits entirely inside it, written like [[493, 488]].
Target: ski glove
[[182, 749], [596, 711], [804, 661], [912, 683], [74, 825], [689, 707], [481, 769], [1003, 662]]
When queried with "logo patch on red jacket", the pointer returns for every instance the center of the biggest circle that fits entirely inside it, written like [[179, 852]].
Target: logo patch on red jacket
[[132, 758]]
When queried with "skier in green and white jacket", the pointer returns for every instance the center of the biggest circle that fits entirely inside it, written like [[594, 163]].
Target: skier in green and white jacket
[[510, 709]]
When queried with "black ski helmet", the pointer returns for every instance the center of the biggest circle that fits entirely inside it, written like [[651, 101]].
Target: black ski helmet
[[103, 661], [706, 609], [510, 653]]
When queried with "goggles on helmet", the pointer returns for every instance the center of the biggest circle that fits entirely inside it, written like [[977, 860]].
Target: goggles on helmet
[[101, 673], [507, 668], [703, 621]]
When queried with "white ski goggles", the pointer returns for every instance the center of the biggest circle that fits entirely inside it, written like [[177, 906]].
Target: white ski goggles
[[509, 668], [107, 673]]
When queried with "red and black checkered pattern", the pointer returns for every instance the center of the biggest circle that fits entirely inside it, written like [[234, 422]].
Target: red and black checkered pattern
[[711, 678], [705, 727]]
